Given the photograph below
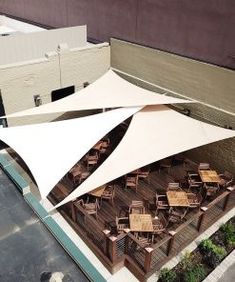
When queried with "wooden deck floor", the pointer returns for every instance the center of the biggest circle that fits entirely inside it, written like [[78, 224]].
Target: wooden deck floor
[[146, 192]]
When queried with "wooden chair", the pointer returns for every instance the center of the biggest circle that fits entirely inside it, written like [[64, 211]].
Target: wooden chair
[[226, 179], [161, 202], [211, 189], [137, 207], [143, 173], [143, 241], [105, 145], [180, 159], [159, 225], [203, 166], [92, 158], [165, 163], [194, 181], [173, 186], [194, 199], [131, 181], [176, 215], [90, 208], [122, 223], [83, 176], [108, 193]]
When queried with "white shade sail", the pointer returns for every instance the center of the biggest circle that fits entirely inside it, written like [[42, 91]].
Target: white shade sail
[[109, 91], [155, 132], [51, 149]]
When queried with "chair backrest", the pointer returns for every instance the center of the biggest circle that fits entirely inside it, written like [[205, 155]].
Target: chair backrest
[[228, 176], [143, 173], [137, 207], [211, 190], [110, 190], [204, 166], [162, 219], [121, 222], [173, 186], [131, 180], [137, 203], [194, 199], [160, 197], [144, 169]]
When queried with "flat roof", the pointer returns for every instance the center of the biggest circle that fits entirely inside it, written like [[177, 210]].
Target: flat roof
[[10, 26]]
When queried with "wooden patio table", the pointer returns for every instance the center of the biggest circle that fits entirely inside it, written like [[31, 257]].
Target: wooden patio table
[[98, 191], [177, 198], [75, 172], [141, 222], [209, 176]]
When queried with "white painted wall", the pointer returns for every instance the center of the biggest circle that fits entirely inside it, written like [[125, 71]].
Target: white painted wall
[[31, 46], [19, 82]]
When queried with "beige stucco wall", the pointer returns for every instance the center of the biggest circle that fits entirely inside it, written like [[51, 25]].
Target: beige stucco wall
[[211, 85], [207, 83], [84, 65], [20, 82]]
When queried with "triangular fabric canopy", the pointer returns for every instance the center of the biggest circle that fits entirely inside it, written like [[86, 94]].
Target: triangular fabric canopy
[[155, 132], [51, 149], [109, 91]]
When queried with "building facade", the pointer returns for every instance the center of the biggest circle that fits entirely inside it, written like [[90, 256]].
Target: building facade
[[46, 66], [202, 30]]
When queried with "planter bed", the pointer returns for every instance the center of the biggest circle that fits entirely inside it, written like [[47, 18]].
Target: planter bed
[[197, 265]]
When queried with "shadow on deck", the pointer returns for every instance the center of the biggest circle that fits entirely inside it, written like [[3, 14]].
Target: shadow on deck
[[116, 250]]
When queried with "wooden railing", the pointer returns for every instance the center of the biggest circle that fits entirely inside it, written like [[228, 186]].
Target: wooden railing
[[146, 260], [93, 230]]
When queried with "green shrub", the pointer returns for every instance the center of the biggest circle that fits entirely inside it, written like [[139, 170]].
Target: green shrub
[[195, 274], [229, 233], [167, 275], [191, 271], [213, 254], [187, 261]]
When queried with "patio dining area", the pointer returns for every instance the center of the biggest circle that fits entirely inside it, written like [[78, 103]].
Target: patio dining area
[[121, 176], [143, 226]]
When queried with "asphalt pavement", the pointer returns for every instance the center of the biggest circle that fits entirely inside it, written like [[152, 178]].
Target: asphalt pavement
[[28, 251]]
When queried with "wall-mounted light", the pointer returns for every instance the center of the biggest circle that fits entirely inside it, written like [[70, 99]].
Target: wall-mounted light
[[186, 112], [37, 100], [85, 84]]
